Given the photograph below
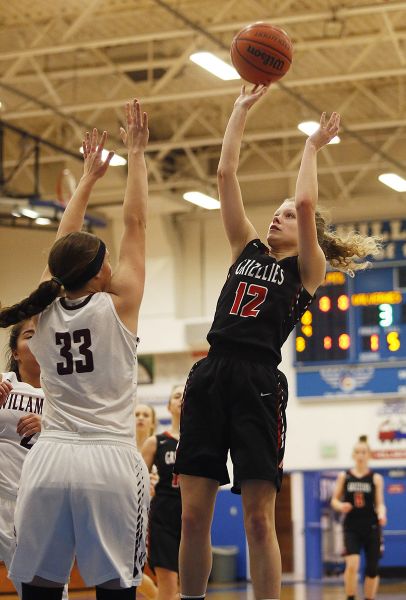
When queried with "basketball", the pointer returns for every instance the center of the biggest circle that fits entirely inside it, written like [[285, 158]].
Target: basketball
[[261, 53]]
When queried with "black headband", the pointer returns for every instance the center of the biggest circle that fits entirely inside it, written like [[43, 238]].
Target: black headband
[[90, 271]]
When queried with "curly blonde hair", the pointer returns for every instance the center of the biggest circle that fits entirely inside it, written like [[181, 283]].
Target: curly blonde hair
[[347, 252]]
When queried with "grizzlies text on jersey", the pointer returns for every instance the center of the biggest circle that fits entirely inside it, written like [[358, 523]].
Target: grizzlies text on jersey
[[260, 303]]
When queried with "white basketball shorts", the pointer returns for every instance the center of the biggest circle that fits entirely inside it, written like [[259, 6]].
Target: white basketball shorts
[[7, 540], [85, 497]]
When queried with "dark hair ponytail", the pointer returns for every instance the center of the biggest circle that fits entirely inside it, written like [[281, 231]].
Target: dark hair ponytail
[[36, 302]]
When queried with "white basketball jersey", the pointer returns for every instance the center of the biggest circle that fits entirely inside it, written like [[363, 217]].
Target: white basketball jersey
[[22, 400], [88, 367]]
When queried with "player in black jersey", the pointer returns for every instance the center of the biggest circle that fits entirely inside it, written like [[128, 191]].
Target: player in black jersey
[[166, 511], [235, 398], [359, 496]]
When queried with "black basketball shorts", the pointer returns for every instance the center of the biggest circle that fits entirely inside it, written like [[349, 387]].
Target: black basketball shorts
[[368, 539], [237, 404], [164, 532]]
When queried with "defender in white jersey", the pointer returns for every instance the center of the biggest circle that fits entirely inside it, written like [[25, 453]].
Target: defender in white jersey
[[84, 486], [20, 424]]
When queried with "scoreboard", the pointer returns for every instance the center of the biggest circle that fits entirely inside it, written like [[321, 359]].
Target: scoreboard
[[352, 339], [361, 319]]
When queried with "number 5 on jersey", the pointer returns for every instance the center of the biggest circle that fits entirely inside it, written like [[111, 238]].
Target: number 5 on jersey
[[80, 337], [251, 307]]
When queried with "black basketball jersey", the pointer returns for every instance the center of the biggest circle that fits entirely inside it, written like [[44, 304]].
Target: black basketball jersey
[[360, 492], [164, 461], [260, 303]]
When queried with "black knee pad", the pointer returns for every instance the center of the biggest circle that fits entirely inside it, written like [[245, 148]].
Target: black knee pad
[[121, 594], [33, 592]]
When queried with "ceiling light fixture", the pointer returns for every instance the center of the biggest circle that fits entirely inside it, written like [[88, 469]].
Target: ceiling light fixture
[[214, 65], [202, 200], [43, 221], [393, 181], [30, 213]]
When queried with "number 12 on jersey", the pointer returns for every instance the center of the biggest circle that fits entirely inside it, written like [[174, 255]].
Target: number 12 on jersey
[[250, 308]]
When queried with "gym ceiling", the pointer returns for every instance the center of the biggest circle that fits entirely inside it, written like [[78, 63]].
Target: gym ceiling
[[67, 65]]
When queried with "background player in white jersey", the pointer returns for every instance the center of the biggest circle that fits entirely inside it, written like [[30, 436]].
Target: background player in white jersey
[[21, 404], [84, 489]]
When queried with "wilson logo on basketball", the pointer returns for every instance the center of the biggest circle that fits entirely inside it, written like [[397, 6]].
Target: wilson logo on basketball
[[267, 59], [274, 38]]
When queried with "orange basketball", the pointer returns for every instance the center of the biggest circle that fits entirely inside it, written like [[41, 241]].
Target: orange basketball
[[261, 53]]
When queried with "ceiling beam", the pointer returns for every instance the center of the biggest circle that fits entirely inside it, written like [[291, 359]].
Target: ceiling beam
[[268, 175], [350, 186], [99, 70], [77, 23], [166, 63], [27, 52], [395, 41], [212, 92], [221, 28], [41, 75], [267, 135], [165, 146]]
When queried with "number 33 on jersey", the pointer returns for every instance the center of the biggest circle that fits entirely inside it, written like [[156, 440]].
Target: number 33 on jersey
[[87, 356], [83, 341]]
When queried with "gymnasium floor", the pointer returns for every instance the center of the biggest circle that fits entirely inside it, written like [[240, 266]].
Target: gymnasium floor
[[299, 591]]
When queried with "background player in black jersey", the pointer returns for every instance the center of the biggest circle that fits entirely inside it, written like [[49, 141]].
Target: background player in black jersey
[[235, 398], [166, 510], [359, 496]]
